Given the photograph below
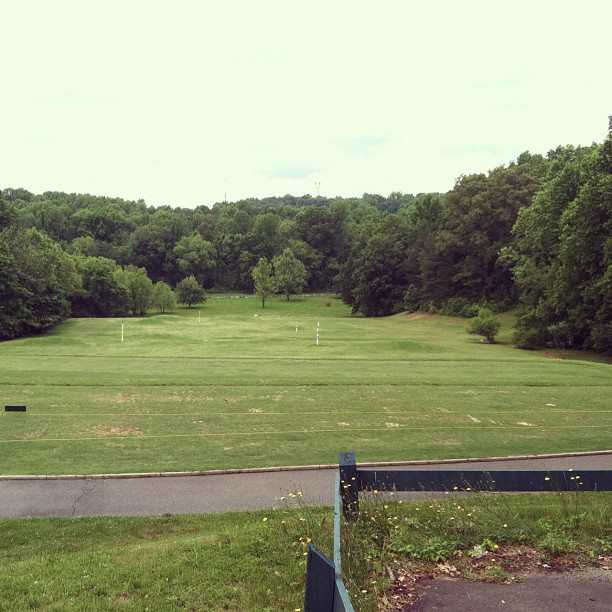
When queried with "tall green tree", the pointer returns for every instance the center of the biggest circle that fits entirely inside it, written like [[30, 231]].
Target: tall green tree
[[37, 279], [263, 279], [163, 297], [290, 273], [139, 287], [381, 272], [266, 233], [101, 294], [480, 212], [561, 254]]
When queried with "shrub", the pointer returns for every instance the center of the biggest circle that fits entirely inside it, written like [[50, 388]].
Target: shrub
[[190, 291], [485, 324]]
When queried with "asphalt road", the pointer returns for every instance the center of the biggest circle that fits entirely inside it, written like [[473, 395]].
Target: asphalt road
[[586, 591], [211, 493]]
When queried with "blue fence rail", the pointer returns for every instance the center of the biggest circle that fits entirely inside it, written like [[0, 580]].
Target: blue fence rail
[[325, 589]]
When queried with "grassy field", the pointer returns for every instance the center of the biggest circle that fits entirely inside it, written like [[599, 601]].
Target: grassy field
[[240, 387], [255, 561], [217, 562]]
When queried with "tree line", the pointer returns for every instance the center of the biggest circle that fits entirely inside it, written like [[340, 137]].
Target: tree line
[[535, 234], [41, 285]]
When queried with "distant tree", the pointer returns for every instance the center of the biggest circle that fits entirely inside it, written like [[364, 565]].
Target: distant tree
[[479, 214], [263, 279], [151, 245], [561, 255], [196, 256], [106, 223], [83, 245], [266, 233], [322, 234], [139, 288], [102, 293], [485, 324], [313, 262], [36, 280], [7, 214], [246, 261], [190, 291], [290, 273], [380, 272], [163, 297]]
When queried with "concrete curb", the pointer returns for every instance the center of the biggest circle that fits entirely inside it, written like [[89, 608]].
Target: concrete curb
[[294, 468]]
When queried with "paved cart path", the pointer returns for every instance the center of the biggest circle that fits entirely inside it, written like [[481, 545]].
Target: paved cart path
[[213, 493]]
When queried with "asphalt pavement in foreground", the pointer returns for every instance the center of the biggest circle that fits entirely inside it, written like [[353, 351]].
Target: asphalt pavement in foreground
[[584, 591], [202, 494]]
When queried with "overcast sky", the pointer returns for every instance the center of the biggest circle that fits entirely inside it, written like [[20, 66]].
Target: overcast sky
[[179, 102]]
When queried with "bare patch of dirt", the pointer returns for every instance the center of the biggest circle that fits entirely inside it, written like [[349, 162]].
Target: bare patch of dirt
[[405, 589], [108, 431], [557, 356], [506, 565], [122, 398], [33, 435], [121, 599], [419, 316], [447, 442]]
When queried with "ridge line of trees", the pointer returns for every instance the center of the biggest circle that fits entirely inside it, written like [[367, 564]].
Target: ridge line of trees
[[534, 234]]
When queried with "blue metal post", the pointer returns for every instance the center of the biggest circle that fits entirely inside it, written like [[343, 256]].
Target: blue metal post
[[349, 485]]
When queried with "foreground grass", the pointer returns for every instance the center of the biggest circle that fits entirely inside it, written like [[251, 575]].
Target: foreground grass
[[232, 561], [239, 387], [255, 561]]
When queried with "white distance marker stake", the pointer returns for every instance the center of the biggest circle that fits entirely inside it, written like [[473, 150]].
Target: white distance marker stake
[[121, 331], [317, 333]]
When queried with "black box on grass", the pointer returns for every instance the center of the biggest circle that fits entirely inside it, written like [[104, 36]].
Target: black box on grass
[[15, 408]]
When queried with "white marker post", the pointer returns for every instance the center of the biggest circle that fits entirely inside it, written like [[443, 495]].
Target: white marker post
[[296, 328], [199, 319], [121, 331], [317, 333]]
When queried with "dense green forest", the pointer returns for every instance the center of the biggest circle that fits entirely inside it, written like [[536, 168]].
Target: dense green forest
[[534, 234]]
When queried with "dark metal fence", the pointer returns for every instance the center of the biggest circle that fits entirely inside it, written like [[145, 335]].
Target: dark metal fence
[[325, 589]]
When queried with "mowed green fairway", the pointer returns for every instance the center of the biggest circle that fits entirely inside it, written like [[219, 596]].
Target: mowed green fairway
[[240, 388]]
